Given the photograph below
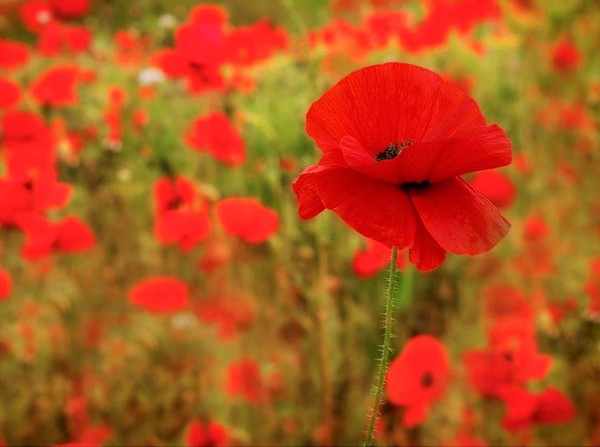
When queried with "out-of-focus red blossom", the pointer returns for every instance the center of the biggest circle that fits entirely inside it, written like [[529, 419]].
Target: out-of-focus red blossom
[[5, 284], [503, 302], [392, 161], [231, 313], [58, 38], [535, 228], [56, 86], [559, 310], [131, 48], [373, 258], [418, 377], [385, 26], [244, 381], [565, 56], [91, 437], [35, 15], [13, 54], [342, 37], [495, 186], [255, 43], [44, 238], [569, 116], [217, 254], [525, 409], [592, 289], [180, 216], [10, 93], [31, 191], [511, 359], [214, 134], [160, 294], [247, 218], [140, 118], [209, 434], [70, 9]]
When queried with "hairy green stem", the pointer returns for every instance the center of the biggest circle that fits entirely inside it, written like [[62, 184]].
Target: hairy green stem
[[386, 348]]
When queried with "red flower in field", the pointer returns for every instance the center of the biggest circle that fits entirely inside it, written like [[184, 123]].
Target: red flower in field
[[57, 38], [216, 135], [247, 219], [565, 56], [44, 238], [244, 380], [70, 9], [13, 54], [248, 45], [200, 50], [31, 191], [510, 360], [160, 295], [10, 93], [35, 15], [229, 312], [210, 434], [56, 86], [592, 289], [525, 409], [180, 218], [392, 160], [498, 188], [5, 284], [374, 258], [503, 302], [418, 377]]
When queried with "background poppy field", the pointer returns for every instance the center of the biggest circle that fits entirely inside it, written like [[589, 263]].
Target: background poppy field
[[157, 286]]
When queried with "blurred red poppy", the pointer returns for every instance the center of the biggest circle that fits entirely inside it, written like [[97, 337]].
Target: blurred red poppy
[[392, 160], [160, 295], [418, 377], [247, 219], [497, 187], [56, 86], [565, 56], [13, 54], [216, 135], [244, 380], [44, 238], [10, 93], [58, 38], [5, 284], [374, 258], [209, 434], [35, 15], [26, 140], [248, 45], [70, 9], [525, 409], [230, 312]]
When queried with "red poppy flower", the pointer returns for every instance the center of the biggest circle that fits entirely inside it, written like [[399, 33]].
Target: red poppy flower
[[374, 258], [392, 159], [247, 219], [216, 254], [248, 45], [211, 434], [174, 194], [216, 135], [56, 86], [70, 9], [13, 54], [498, 188], [418, 377], [31, 191], [229, 312], [160, 295], [565, 56], [10, 93], [44, 238], [5, 284], [244, 380], [35, 15], [525, 409], [27, 141], [57, 38]]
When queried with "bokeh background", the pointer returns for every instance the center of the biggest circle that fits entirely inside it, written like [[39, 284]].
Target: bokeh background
[[157, 286]]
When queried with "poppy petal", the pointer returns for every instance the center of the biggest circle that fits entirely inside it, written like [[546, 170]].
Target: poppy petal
[[375, 209], [459, 218], [425, 253], [305, 187]]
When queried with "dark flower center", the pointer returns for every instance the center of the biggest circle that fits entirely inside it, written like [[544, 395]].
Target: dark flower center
[[393, 150], [415, 185], [174, 203], [427, 380]]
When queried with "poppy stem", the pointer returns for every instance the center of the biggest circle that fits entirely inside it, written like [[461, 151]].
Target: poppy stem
[[386, 348]]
